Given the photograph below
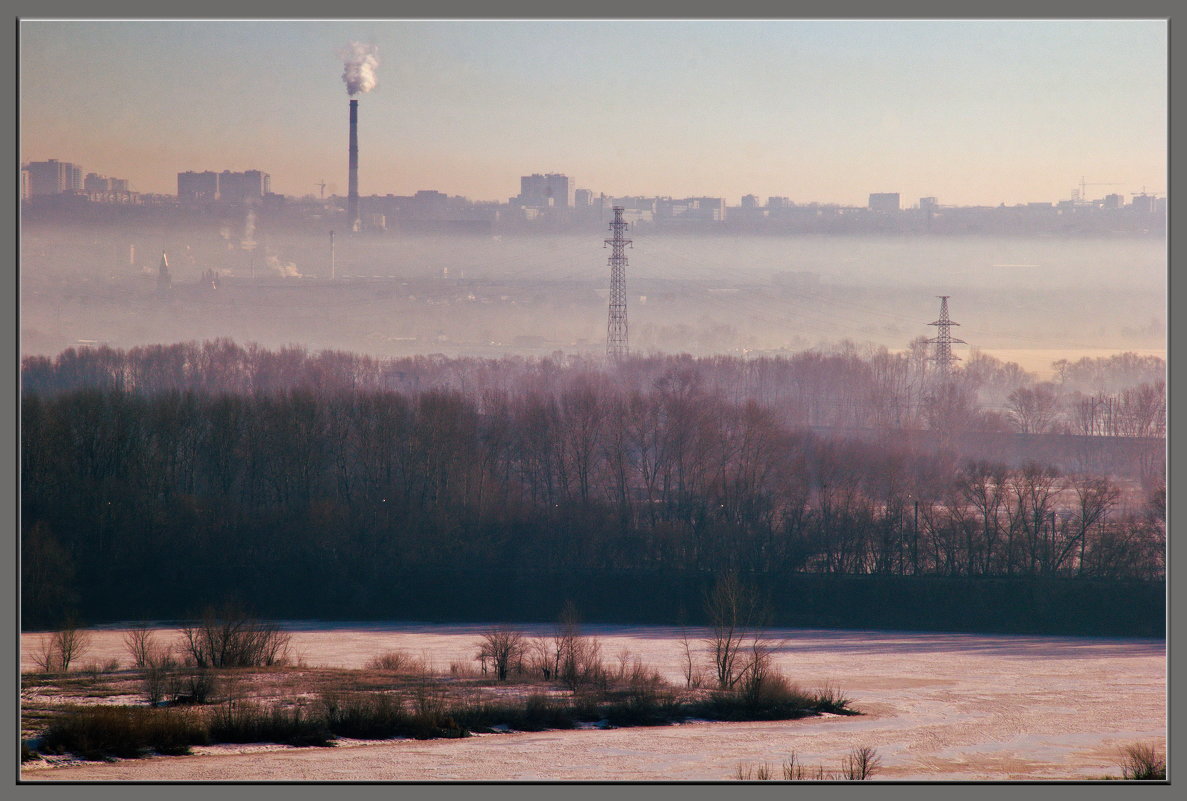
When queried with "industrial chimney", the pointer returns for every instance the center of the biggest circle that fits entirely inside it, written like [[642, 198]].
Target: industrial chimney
[[352, 202]]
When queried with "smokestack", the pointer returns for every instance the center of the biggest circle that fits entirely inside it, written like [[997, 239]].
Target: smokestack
[[358, 73], [352, 202]]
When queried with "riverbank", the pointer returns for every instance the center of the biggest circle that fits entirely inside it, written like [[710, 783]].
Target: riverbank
[[937, 707], [101, 713], [1027, 605]]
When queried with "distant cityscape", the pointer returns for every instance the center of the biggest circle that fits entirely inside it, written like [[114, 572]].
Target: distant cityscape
[[553, 202]]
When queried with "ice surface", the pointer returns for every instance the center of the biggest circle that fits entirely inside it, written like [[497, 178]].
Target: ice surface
[[937, 706]]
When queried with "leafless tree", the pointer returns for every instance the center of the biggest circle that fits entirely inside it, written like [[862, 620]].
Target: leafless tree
[[1033, 410], [504, 648], [45, 654], [735, 615], [231, 638], [70, 643], [1035, 490], [861, 764], [1095, 497], [693, 672], [140, 644]]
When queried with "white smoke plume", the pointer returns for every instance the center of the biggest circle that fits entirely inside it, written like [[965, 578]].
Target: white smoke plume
[[358, 67], [249, 229], [286, 269]]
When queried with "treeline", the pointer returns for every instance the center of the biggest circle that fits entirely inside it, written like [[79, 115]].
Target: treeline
[[158, 501], [844, 386]]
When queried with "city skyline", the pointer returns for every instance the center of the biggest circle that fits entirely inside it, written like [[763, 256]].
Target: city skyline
[[971, 112]]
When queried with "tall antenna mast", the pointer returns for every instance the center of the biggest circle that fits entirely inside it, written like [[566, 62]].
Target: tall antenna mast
[[943, 341], [616, 344]]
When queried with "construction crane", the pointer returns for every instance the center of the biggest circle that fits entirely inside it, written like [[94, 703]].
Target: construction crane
[[1083, 197], [1144, 193], [322, 186]]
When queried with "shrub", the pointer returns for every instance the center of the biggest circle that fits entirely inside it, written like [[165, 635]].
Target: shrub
[[1142, 762], [537, 713], [158, 678], [238, 722], [643, 706], [229, 638], [766, 692], [193, 687], [369, 716], [462, 670], [99, 732], [830, 699], [395, 662]]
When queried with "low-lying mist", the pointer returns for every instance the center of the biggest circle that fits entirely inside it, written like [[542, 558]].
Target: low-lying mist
[[1033, 300]]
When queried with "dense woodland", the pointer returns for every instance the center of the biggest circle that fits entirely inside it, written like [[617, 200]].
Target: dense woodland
[[157, 480]]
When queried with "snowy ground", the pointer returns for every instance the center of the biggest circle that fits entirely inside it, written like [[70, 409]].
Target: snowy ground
[[937, 706]]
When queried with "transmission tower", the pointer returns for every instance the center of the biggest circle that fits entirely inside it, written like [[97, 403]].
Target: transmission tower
[[616, 347], [943, 341]]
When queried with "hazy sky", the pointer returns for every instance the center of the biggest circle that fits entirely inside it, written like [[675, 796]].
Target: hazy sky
[[972, 112]]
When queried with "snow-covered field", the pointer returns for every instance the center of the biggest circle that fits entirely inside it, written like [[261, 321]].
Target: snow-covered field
[[936, 707]]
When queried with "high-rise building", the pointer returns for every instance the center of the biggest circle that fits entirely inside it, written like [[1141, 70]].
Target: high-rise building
[[53, 177], [1143, 204], [929, 203], [196, 186], [583, 198], [884, 201], [241, 187], [700, 209], [232, 187], [95, 184], [550, 191]]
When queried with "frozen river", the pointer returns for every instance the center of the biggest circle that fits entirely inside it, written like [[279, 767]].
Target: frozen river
[[936, 707]]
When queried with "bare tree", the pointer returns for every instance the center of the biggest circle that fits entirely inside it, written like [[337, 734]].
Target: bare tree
[[504, 648], [1095, 497], [861, 764], [45, 655], [564, 643], [735, 615], [1033, 410], [231, 638], [70, 643], [140, 645], [693, 673]]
